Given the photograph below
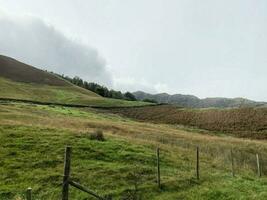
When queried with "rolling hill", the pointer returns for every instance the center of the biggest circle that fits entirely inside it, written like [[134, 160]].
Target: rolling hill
[[124, 164], [249, 122], [24, 82], [195, 102], [19, 72], [33, 138]]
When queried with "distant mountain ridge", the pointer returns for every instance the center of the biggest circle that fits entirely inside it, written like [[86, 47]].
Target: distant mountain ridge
[[195, 102]]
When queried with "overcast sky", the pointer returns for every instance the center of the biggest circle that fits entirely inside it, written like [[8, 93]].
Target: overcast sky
[[207, 48]]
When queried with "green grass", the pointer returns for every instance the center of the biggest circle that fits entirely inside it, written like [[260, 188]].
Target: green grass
[[58, 94], [33, 138], [35, 158]]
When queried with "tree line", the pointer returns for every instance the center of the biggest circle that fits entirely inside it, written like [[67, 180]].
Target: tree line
[[99, 89]]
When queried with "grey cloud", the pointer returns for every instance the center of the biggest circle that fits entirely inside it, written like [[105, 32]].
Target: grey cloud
[[31, 40]]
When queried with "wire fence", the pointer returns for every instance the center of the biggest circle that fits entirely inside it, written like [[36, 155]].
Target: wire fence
[[230, 160]]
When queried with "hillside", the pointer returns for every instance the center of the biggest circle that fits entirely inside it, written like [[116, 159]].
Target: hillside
[[195, 102], [241, 122], [25, 82], [123, 164], [20, 72], [33, 138]]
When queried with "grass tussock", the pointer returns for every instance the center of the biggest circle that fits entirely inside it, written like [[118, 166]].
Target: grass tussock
[[97, 135]]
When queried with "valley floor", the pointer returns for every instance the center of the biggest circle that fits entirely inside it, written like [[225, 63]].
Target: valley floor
[[33, 138]]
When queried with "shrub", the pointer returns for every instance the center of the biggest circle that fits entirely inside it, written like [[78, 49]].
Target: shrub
[[150, 100], [97, 135], [129, 96]]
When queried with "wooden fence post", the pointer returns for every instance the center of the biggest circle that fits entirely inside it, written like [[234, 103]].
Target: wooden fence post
[[158, 168], [258, 165], [232, 163], [197, 164], [29, 194], [66, 176]]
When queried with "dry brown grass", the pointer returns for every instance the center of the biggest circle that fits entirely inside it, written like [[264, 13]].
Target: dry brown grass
[[37, 116], [241, 122], [169, 136]]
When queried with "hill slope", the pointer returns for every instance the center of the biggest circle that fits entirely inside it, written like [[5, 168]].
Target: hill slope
[[241, 122], [24, 82], [195, 102], [20, 72], [33, 138]]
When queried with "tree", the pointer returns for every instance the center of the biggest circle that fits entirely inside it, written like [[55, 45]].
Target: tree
[[150, 100], [77, 81], [99, 89], [129, 96], [116, 94]]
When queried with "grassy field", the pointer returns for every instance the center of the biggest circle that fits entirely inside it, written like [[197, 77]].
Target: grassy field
[[33, 138], [249, 122], [68, 94]]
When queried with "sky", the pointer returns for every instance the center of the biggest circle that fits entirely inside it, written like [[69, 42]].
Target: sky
[[207, 48]]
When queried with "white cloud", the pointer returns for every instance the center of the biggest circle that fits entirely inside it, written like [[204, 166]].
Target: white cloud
[[133, 84], [35, 42], [162, 87]]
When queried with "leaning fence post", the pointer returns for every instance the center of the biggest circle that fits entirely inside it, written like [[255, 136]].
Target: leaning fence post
[[232, 163], [29, 194], [158, 168], [65, 185], [258, 165], [197, 164]]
